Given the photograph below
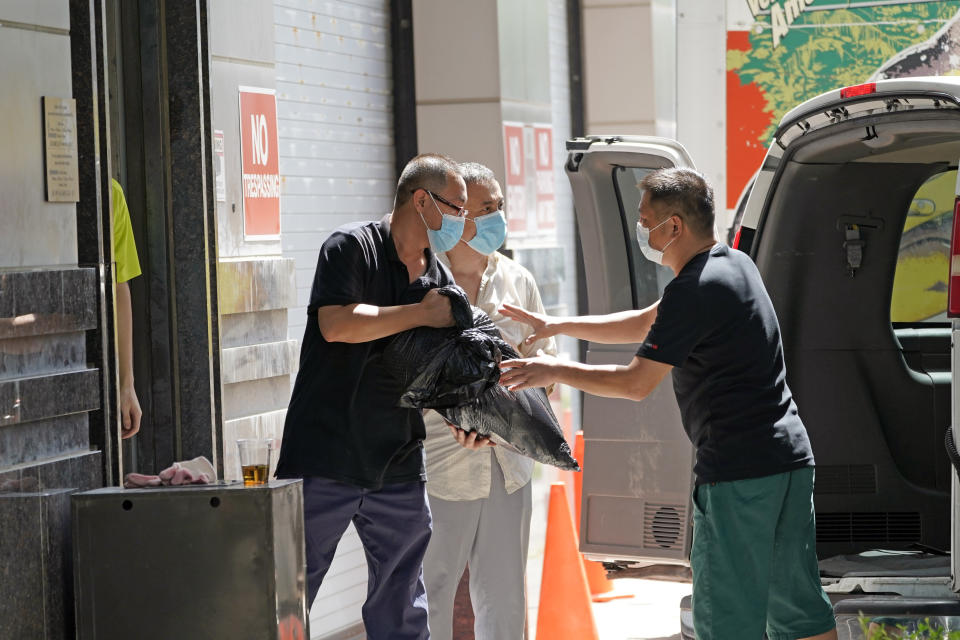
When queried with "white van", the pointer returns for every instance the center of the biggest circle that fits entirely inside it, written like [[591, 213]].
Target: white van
[[849, 222]]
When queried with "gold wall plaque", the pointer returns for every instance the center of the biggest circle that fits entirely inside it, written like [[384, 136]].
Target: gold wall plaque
[[60, 149]]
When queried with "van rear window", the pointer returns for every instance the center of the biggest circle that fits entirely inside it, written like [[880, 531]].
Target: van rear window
[[647, 279], [920, 281]]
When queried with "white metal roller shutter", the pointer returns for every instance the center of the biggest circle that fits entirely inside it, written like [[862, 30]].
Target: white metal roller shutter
[[335, 110]]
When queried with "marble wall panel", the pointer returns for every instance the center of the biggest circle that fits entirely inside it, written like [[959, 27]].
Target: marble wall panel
[[45, 301], [43, 397], [56, 552], [78, 469], [43, 290], [255, 396], [39, 441], [254, 327], [39, 355], [7, 308], [21, 581], [9, 480], [255, 285], [257, 361], [9, 404], [81, 470], [80, 295], [35, 569]]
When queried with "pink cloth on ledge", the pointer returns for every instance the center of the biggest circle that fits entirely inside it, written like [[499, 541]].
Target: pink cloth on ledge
[[196, 471]]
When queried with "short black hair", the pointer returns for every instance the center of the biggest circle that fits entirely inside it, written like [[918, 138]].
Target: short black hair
[[427, 171], [685, 193], [476, 173]]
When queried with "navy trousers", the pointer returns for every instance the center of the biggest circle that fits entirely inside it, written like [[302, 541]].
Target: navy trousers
[[394, 525]]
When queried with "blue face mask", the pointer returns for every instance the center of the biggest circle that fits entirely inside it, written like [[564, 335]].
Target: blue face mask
[[491, 232], [448, 235]]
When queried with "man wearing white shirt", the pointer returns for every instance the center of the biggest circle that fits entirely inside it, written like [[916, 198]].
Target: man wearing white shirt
[[480, 496]]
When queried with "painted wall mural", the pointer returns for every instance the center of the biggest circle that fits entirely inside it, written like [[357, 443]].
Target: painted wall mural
[[783, 52], [820, 45]]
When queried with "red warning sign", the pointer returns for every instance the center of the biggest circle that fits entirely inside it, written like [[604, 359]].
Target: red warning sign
[[260, 162], [543, 153], [516, 196]]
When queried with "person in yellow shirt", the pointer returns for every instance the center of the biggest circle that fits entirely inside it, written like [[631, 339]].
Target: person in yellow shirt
[[127, 268]]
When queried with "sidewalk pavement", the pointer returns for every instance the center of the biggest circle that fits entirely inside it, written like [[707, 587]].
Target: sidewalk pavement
[[653, 613]]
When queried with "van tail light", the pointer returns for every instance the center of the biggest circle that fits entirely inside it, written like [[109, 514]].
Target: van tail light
[[858, 90], [953, 290], [743, 240]]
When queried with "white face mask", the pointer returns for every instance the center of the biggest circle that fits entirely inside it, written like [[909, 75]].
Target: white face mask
[[643, 238]]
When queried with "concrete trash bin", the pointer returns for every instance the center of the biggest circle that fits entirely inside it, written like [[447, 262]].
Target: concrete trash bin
[[199, 561]]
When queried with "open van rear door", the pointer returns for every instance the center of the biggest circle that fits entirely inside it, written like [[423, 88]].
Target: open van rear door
[[638, 462], [848, 223], [953, 312]]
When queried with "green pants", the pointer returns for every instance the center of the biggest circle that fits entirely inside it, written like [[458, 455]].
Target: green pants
[[754, 560]]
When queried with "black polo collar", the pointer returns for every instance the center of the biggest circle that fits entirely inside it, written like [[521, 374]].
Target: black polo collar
[[388, 239]]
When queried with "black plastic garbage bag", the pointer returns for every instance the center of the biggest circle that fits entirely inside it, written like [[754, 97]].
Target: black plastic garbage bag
[[446, 367], [520, 420], [456, 372]]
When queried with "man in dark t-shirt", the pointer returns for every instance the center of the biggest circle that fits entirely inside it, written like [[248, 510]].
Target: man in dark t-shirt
[[359, 454], [754, 546]]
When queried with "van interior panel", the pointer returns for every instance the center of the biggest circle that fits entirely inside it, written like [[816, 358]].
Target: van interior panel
[[876, 404], [918, 137]]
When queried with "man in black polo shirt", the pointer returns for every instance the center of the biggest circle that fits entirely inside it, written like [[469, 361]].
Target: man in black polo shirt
[[753, 557], [360, 456]]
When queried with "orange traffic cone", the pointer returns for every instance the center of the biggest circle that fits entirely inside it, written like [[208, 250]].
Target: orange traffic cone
[[601, 589], [565, 611]]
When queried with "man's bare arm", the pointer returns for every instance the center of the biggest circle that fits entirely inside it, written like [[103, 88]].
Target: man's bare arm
[[634, 381], [614, 328], [355, 323]]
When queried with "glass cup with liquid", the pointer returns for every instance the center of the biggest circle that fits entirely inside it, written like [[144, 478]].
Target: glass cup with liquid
[[254, 460]]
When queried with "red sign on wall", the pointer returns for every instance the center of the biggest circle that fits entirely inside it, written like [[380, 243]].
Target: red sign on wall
[[543, 161], [516, 195], [259, 158]]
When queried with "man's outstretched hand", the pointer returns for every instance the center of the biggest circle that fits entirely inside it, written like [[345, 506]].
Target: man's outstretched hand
[[527, 373], [543, 325]]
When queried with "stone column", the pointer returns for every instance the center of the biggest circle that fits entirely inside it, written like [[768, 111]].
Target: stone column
[[196, 357], [52, 308]]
